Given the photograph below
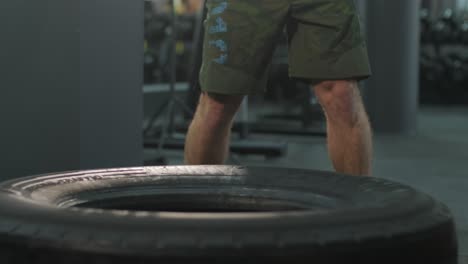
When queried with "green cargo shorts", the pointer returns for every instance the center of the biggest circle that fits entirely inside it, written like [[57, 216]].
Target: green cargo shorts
[[325, 42]]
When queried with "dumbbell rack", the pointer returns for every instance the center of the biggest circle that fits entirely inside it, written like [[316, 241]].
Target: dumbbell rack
[[444, 59]]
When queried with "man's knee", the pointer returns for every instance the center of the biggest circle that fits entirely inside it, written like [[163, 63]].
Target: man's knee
[[341, 100], [218, 108]]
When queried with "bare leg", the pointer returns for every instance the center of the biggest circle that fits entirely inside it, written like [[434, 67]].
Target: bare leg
[[348, 127], [208, 137]]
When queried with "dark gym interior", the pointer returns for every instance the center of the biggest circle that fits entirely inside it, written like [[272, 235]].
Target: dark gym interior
[[106, 84]]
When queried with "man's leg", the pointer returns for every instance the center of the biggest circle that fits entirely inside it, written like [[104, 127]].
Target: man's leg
[[209, 134], [349, 131]]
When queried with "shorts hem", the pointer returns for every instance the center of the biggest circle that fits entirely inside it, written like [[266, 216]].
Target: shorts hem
[[351, 65]]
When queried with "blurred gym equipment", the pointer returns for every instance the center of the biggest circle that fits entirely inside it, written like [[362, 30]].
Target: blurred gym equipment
[[444, 59], [163, 137], [170, 107]]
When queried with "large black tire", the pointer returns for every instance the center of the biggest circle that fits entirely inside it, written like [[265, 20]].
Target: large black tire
[[225, 215]]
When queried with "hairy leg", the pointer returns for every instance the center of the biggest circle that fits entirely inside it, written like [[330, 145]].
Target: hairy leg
[[208, 137], [348, 127]]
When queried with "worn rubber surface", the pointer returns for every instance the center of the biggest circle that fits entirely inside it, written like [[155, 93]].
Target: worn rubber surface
[[252, 215]]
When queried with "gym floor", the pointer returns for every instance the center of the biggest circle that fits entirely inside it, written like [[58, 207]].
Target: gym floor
[[435, 161]]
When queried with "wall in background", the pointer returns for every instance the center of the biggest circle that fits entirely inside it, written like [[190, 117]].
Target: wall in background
[[70, 80], [111, 81]]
